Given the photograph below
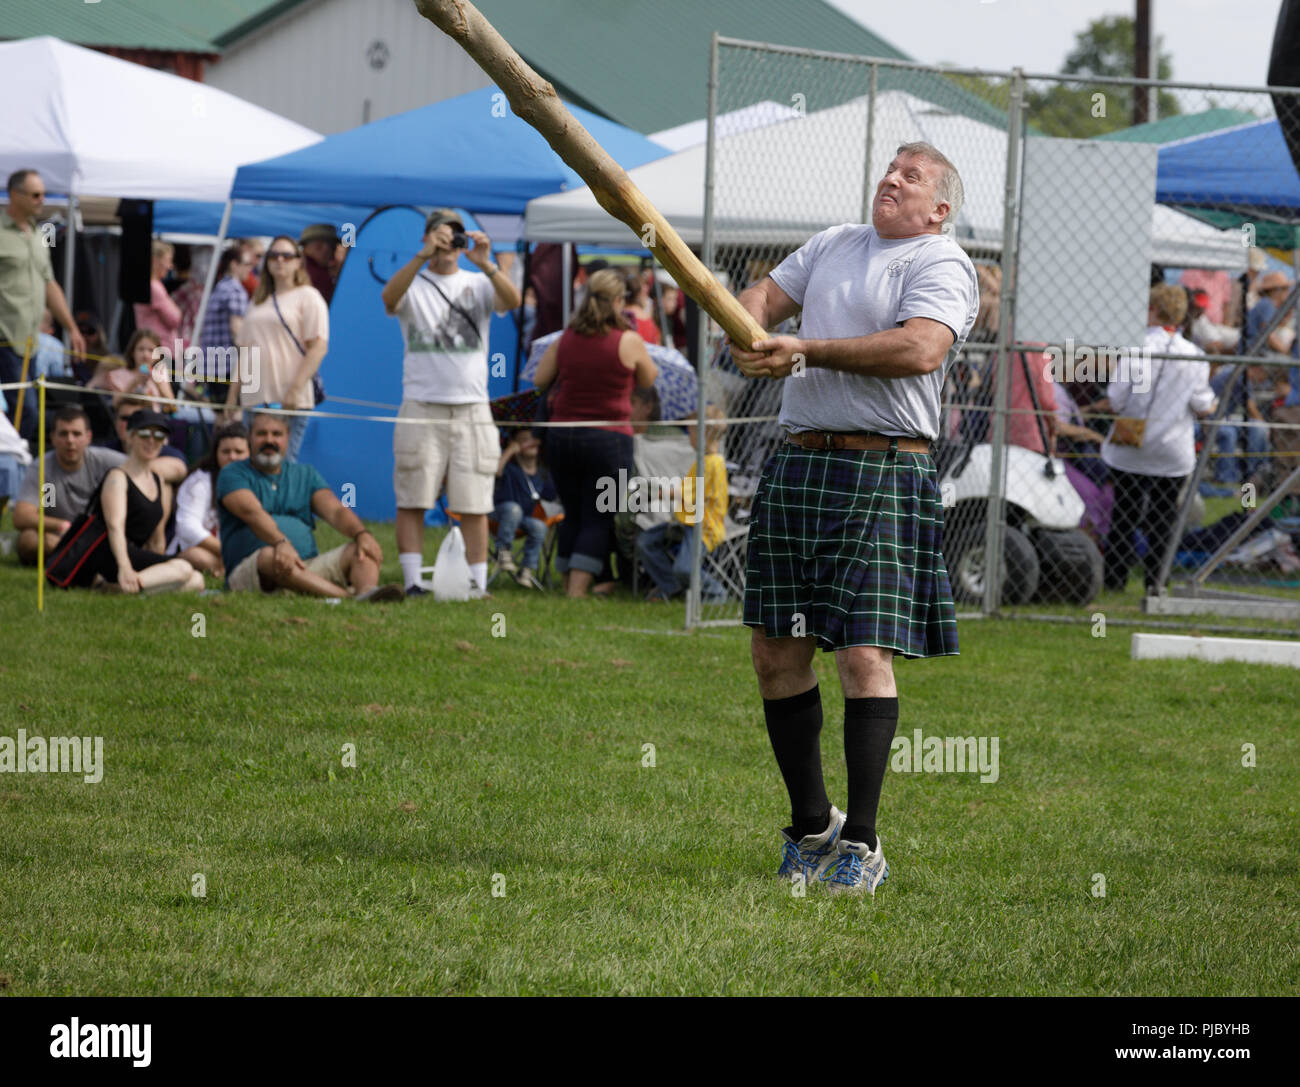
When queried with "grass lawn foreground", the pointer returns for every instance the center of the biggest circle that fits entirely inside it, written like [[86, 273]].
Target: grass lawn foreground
[[503, 832]]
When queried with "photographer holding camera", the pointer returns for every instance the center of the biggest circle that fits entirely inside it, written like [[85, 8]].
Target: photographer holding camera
[[445, 312]]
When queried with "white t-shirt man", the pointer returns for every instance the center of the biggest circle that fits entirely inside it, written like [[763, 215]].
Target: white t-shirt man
[[858, 283], [446, 359]]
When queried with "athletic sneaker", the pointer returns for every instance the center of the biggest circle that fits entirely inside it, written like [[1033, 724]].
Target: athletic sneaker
[[527, 579], [813, 853], [418, 590], [506, 562], [857, 869], [478, 593]]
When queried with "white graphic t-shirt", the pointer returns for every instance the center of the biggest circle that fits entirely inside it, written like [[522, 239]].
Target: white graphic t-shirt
[[446, 360], [851, 282]]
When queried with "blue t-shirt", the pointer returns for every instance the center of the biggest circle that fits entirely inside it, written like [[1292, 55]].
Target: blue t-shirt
[[286, 496], [512, 486]]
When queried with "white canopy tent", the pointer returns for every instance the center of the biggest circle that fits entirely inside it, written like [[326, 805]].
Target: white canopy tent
[[93, 125], [693, 133], [781, 183]]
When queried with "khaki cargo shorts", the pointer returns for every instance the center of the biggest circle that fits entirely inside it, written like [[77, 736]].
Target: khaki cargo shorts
[[463, 452]]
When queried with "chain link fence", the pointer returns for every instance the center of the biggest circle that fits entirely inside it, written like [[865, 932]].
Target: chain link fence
[[1121, 433]]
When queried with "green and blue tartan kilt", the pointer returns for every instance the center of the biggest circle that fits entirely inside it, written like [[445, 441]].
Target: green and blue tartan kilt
[[850, 542]]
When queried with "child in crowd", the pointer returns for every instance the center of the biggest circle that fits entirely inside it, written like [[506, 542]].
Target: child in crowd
[[521, 484], [666, 549]]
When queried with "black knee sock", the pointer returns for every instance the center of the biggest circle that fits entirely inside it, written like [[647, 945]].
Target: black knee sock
[[869, 726], [794, 725]]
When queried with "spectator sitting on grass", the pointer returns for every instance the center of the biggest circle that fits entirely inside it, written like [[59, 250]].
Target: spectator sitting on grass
[[73, 472], [14, 459], [196, 539], [268, 510], [124, 406], [654, 547], [134, 502], [521, 484]]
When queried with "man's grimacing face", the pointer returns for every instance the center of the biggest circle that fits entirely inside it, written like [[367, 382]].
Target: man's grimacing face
[[905, 203]]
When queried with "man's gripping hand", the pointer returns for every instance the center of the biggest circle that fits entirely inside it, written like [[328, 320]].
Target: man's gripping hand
[[776, 356]]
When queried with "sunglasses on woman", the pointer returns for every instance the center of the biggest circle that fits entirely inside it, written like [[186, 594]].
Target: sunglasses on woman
[[280, 254]]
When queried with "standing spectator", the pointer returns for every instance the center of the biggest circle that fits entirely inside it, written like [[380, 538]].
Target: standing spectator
[[319, 244], [256, 255], [135, 502], [521, 485], [161, 315], [289, 325], [1211, 338], [594, 365], [187, 292], [268, 511], [445, 312], [26, 287], [223, 320], [197, 540], [674, 303], [1241, 418], [1149, 476], [637, 303]]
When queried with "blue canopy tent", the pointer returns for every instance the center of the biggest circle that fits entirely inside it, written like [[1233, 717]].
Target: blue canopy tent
[[248, 219], [1233, 176], [470, 152]]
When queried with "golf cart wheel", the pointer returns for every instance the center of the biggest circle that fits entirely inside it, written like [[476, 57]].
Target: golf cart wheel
[[1071, 565], [966, 571]]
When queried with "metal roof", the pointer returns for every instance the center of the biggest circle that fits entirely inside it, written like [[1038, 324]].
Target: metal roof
[[126, 24]]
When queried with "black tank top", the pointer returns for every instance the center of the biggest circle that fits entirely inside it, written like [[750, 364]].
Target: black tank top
[[142, 513]]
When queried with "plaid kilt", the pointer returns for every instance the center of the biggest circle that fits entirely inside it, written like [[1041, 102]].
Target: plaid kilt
[[850, 540]]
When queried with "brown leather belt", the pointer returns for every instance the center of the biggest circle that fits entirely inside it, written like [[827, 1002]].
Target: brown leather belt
[[824, 439]]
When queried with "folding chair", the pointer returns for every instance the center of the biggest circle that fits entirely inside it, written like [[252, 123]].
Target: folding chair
[[726, 562]]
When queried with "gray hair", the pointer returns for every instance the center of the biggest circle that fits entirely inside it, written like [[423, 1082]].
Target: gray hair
[[948, 189]]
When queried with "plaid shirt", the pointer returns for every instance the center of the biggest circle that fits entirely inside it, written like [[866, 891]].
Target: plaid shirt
[[228, 300]]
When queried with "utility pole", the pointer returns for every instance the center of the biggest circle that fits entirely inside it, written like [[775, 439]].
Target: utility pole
[[1143, 66]]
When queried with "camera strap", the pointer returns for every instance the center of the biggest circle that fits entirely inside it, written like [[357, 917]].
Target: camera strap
[[472, 323]]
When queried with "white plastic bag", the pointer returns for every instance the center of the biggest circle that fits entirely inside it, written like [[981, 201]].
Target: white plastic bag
[[450, 570]]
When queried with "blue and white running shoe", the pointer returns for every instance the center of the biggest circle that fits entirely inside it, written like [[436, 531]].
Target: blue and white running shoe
[[813, 853], [856, 868]]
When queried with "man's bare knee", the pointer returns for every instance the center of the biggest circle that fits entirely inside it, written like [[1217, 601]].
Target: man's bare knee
[[779, 658]]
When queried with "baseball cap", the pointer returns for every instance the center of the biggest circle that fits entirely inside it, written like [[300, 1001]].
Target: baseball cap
[[147, 418], [444, 215], [319, 232]]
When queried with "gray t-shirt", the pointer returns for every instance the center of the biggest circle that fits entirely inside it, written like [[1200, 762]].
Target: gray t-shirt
[[72, 490], [850, 282]]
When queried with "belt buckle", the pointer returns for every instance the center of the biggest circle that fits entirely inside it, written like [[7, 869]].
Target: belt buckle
[[830, 441]]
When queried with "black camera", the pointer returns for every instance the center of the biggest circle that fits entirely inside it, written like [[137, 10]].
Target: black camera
[[459, 239]]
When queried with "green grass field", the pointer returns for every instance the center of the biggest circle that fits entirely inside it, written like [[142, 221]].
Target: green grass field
[[515, 764]]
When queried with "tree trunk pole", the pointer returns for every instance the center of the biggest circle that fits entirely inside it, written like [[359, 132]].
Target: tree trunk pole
[[534, 100]]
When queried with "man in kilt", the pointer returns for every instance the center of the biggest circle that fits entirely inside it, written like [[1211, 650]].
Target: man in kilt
[[847, 524]]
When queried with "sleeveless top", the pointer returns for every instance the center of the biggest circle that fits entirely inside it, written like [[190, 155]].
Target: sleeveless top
[[591, 381], [142, 513]]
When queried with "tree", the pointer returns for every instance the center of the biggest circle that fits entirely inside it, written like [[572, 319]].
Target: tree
[[1081, 110]]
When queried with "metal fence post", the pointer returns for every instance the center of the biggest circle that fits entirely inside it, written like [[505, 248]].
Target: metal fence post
[[868, 188], [693, 609], [1002, 358]]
